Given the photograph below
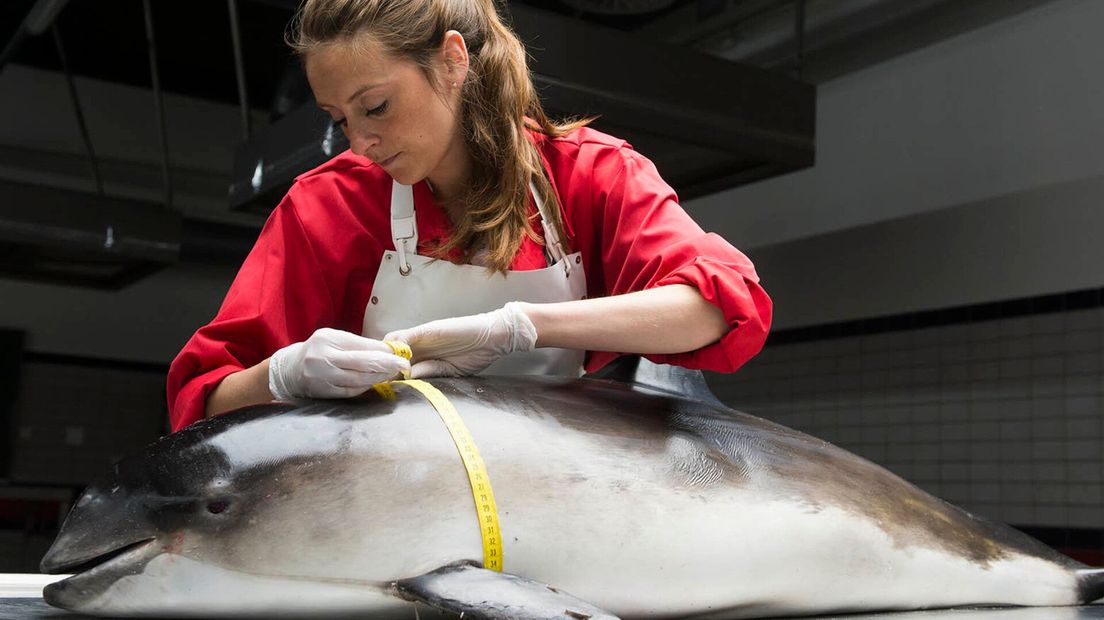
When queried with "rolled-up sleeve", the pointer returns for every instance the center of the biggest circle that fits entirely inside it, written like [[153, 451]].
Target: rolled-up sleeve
[[645, 240], [277, 298]]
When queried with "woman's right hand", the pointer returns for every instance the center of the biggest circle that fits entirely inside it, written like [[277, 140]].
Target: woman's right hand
[[332, 364]]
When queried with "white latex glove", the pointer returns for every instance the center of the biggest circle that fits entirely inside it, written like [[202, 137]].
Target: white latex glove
[[466, 345], [331, 364]]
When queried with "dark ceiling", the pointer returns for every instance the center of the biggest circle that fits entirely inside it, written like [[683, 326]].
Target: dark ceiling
[[106, 40], [196, 57], [707, 94], [194, 48]]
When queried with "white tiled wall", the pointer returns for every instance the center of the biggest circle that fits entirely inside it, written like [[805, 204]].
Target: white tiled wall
[[1001, 417]]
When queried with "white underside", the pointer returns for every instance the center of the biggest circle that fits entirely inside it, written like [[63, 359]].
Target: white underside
[[788, 561], [176, 586], [662, 570]]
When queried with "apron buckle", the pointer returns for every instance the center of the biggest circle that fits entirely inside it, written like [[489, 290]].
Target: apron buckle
[[404, 265], [564, 258], [402, 231]]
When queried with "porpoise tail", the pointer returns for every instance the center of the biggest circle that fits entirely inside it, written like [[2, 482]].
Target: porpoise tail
[[1091, 584]]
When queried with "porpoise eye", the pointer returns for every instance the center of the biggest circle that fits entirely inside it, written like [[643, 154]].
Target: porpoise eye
[[217, 506]]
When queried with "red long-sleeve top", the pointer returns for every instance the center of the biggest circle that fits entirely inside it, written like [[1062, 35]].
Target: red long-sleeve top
[[316, 259]]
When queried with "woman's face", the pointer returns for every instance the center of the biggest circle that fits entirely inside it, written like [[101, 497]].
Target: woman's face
[[388, 109]]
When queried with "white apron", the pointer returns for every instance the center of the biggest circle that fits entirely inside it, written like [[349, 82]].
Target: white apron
[[411, 289]]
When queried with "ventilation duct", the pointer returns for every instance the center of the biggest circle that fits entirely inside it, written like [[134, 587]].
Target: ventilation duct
[[266, 164], [81, 239]]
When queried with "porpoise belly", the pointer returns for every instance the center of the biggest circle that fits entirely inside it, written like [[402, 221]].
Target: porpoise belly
[[749, 559]]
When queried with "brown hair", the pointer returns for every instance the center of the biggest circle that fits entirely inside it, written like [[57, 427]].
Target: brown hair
[[498, 101]]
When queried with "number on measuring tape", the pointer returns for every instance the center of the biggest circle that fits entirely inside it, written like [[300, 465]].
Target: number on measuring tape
[[482, 494]]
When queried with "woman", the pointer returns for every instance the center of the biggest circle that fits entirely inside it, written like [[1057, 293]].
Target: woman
[[463, 222]]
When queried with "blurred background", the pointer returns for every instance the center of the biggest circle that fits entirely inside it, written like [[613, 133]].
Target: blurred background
[[920, 184]]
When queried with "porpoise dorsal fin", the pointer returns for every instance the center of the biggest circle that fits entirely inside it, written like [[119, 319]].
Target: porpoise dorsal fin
[[475, 592], [1090, 583], [676, 380]]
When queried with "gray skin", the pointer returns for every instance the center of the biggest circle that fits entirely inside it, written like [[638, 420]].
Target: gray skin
[[638, 502]]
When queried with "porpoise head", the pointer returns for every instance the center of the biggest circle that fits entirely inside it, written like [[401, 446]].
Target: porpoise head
[[197, 522]]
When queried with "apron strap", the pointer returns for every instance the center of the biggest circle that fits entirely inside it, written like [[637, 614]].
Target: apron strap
[[552, 245], [404, 228]]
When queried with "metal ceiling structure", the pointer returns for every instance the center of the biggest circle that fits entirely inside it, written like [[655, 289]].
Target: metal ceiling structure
[[836, 37], [705, 88], [67, 237]]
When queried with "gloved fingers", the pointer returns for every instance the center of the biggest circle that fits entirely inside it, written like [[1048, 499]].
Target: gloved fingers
[[402, 335], [332, 364], [443, 337], [386, 363], [424, 340], [434, 368], [348, 341], [413, 335], [468, 344], [347, 379]]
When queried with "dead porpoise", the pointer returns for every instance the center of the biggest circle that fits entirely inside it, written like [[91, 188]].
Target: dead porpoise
[[613, 500]]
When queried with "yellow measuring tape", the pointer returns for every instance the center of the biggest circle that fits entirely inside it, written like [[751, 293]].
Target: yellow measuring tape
[[485, 507]]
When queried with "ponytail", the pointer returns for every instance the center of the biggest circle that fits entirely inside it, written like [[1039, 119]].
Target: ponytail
[[498, 104]]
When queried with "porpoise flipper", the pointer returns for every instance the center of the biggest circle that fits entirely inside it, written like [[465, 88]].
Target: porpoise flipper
[[475, 592]]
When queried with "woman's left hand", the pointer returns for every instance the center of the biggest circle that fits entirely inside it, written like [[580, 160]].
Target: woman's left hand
[[466, 345]]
